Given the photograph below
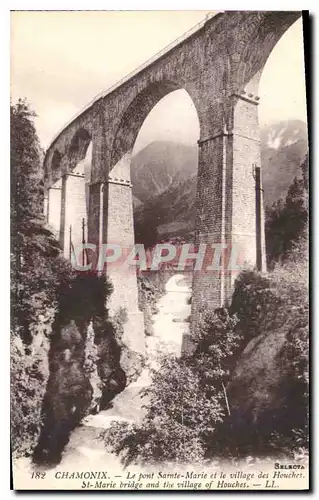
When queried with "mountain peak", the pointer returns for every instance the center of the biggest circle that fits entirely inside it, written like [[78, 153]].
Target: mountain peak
[[283, 134], [161, 164]]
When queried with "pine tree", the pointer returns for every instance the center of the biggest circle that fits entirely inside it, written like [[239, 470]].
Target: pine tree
[[37, 267], [286, 220]]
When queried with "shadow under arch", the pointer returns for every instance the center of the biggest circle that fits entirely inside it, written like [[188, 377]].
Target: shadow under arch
[[53, 169], [138, 110], [78, 148]]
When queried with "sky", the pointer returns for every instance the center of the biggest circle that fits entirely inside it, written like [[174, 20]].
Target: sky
[[61, 60]]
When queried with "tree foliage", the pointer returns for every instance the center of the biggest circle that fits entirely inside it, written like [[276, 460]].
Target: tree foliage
[[145, 229], [37, 272], [286, 220], [269, 388], [185, 402], [37, 265], [178, 414]]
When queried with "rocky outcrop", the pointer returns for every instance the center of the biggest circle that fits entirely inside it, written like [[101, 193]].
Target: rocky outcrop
[[268, 402], [85, 375], [268, 388], [255, 388], [68, 393], [130, 361], [88, 364], [112, 376], [29, 373]]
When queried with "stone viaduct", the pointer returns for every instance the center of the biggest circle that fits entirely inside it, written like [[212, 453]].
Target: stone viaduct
[[219, 64]]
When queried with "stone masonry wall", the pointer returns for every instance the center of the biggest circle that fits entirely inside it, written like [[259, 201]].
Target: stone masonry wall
[[75, 211], [218, 66], [54, 208]]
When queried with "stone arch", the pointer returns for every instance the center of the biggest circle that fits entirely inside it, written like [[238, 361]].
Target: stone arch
[[219, 66], [78, 147], [137, 111], [75, 191], [259, 46], [267, 30]]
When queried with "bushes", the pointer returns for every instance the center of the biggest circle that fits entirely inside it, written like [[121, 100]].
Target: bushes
[[29, 375], [194, 410], [37, 272], [51, 310], [27, 383], [295, 360], [178, 417], [254, 301], [269, 387], [266, 302], [186, 400], [287, 219], [36, 289], [245, 388], [37, 267]]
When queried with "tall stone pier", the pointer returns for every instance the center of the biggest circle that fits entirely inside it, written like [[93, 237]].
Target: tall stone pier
[[219, 64]]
